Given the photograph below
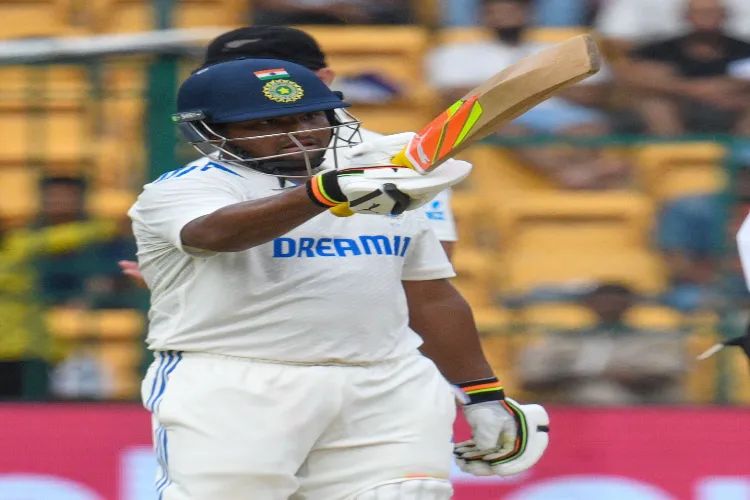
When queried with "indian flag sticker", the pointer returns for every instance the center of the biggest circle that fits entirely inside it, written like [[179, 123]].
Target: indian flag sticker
[[271, 74]]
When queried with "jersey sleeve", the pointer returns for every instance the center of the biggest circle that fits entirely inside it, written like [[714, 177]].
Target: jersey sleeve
[[425, 258], [439, 216], [166, 206]]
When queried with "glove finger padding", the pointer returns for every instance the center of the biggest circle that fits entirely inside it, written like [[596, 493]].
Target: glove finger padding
[[377, 152], [530, 445]]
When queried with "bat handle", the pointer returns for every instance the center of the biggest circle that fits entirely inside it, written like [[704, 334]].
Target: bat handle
[[402, 161], [341, 210]]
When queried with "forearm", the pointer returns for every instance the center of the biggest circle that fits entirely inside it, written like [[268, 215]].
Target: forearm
[[251, 223], [445, 322]]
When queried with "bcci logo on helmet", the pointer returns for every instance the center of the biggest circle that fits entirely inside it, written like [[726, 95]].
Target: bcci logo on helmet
[[283, 91]]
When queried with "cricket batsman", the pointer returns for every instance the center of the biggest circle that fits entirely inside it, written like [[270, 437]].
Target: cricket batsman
[[286, 338], [290, 44]]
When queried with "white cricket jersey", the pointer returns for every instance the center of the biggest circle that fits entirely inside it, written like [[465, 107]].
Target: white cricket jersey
[[438, 212], [328, 291]]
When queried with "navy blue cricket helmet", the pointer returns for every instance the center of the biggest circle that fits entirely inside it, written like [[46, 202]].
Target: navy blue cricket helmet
[[256, 89]]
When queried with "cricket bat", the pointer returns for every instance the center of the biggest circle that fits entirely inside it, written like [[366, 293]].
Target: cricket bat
[[497, 101]]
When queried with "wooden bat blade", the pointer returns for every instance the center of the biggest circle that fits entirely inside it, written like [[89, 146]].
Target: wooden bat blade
[[502, 98]]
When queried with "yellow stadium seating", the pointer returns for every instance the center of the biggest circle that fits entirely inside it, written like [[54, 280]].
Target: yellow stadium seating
[[395, 53], [495, 319], [562, 315], [119, 323], [38, 18], [45, 87], [701, 377], [738, 376], [496, 172], [558, 315], [581, 222], [122, 358], [671, 170], [654, 317], [48, 136], [115, 324], [18, 194], [67, 323], [528, 269], [120, 16], [500, 354], [544, 35], [394, 118], [110, 203]]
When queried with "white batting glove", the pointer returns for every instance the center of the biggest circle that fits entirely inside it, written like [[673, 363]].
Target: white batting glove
[[372, 184], [508, 438]]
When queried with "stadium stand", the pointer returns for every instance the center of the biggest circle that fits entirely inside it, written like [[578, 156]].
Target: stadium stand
[[73, 118]]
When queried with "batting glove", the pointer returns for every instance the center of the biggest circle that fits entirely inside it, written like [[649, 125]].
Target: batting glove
[[372, 184], [508, 438]]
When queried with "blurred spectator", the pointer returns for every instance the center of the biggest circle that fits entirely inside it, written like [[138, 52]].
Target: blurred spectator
[[562, 12], [87, 275], [61, 276], [25, 347], [546, 12], [455, 68], [684, 83], [626, 23], [609, 363], [577, 167], [81, 376], [690, 233], [283, 12]]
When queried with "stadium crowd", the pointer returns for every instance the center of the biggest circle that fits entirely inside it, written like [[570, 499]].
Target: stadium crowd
[[677, 76]]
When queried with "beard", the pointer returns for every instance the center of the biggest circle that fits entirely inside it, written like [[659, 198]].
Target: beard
[[511, 35]]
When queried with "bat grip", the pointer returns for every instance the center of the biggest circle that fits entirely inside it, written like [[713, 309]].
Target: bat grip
[[402, 161]]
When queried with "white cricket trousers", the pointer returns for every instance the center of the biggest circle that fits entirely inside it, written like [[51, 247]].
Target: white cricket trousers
[[228, 428]]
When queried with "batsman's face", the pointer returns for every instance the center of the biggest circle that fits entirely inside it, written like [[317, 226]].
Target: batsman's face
[[249, 135]]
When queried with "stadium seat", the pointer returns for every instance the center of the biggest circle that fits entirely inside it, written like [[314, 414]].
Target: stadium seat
[[53, 86], [110, 203], [738, 377], [668, 170], [502, 351], [392, 51], [544, 35], [476, 292], [119, 323], [123, 359], [18, 194], [67, 323], [580, 222], [557, 316], [115, 324], [499, 352], [117, 171], [497, 172], [654, 317], [393, 118], [48, 136], [475, 222], [701, 377], [38, 19], [526, 270], [122, 16], [492, 319]]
